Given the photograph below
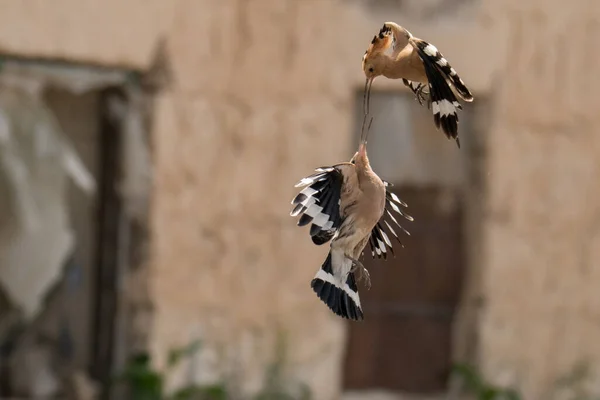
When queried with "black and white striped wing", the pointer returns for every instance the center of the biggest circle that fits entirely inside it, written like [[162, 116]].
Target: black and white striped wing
[[433, 55], [444, 103], [380, 241], [319, 203]]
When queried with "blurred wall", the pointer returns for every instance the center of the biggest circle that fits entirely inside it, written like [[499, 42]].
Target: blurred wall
[[542, 257], [263, 92]]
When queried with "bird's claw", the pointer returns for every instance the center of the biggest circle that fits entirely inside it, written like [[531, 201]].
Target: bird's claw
[[363, 273], [423, 96]]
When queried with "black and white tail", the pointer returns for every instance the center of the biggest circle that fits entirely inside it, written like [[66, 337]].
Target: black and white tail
[[337, 288], [444, 103], [379, 240], [319, 203]]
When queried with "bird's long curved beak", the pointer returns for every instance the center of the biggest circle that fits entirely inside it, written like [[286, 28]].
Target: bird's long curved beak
[[364, 133], [367, 95]]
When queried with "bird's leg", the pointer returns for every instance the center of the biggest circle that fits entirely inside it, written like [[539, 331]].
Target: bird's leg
[[422, 95], [363, 273]]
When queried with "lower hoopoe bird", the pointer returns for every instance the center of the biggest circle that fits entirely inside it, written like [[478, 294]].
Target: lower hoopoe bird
[[348, 204], [420, 66]]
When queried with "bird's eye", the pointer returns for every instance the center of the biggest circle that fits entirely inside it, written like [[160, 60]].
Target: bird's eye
[[371, 69]]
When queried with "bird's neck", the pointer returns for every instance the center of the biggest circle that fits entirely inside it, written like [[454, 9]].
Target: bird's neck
[[372, 187], [362, 162], [392, 69], [366, 176]]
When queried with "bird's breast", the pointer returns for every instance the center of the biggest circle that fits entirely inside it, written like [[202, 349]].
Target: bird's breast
[[372, 204]]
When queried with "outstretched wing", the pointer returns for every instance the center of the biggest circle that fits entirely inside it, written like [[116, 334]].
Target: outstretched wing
[[444, 104], [379, 240], [319, 203], [430, 54]]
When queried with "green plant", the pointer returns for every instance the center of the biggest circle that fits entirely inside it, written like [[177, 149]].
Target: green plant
[[142, 381], [475, 384], [146, 383], [574, 383], [276, 386]]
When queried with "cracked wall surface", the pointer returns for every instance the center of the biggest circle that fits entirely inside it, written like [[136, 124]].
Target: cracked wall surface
[[263, 92]]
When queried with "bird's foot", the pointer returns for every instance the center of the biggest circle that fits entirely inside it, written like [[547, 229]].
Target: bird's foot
[[363, 273], [423, 96]]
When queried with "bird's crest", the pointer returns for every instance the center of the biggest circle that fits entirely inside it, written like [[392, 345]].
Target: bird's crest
[[380, 42]]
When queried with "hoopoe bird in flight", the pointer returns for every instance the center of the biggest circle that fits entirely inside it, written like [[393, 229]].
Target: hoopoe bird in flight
[[350, 205], [421, 66]]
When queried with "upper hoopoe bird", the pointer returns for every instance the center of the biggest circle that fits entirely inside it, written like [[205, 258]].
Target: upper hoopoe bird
[[346, 202], [420, 65]]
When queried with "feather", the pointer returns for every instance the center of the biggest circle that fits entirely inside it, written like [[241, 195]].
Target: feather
[[444, 104], [379, 240], [319, 202]]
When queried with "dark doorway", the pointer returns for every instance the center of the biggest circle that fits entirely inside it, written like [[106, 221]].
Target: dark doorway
[[404, 343]]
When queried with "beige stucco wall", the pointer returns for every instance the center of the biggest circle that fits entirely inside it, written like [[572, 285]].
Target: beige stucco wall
[[542, 263], [263, 92], [254, 110]]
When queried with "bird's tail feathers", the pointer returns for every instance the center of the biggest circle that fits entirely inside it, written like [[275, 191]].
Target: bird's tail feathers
[[339, 293]]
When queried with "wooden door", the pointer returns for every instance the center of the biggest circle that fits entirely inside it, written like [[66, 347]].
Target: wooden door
[[404, 343]]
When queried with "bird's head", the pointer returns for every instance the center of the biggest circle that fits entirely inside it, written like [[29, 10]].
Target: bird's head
[[374, 57], [374, 60], [372, 66], [360, 158]]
